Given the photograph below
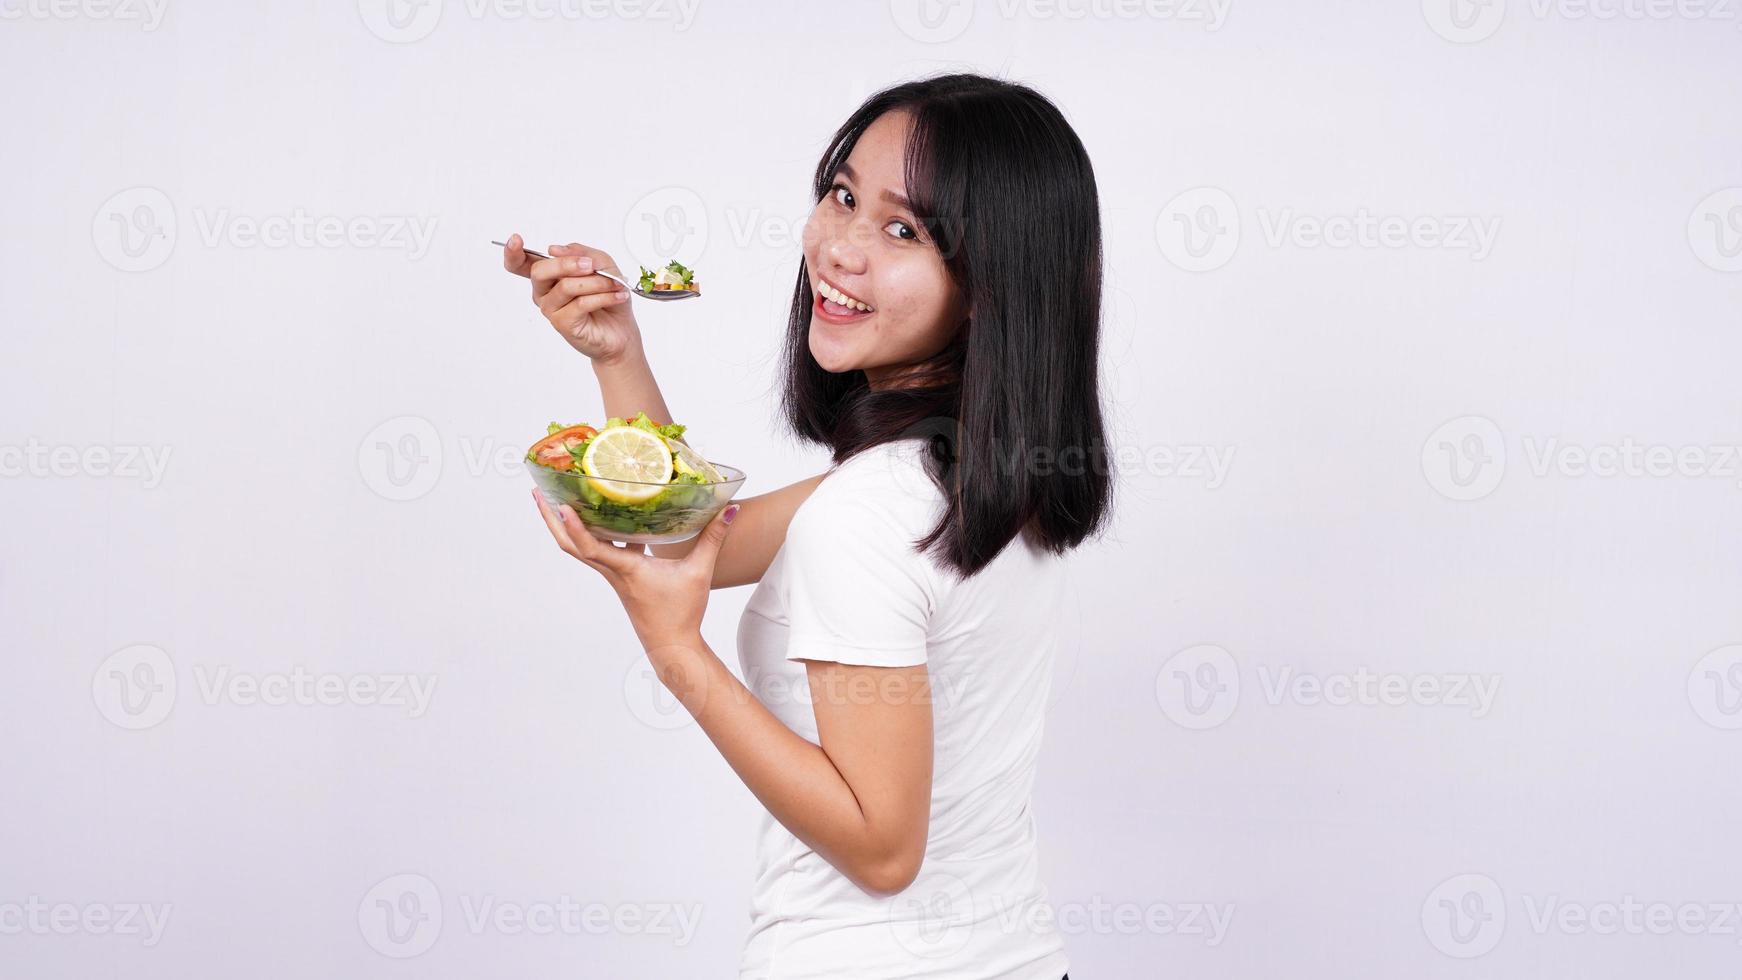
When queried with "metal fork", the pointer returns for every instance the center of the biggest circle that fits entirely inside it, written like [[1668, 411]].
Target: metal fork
[[662, 295]]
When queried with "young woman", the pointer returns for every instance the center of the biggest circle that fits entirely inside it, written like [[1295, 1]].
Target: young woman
[[898, 647]]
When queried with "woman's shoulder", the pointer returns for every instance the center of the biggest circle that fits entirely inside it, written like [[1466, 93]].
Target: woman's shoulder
[[884, 491], [890, 477]]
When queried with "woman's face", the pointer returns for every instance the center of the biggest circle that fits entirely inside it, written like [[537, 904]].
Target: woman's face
[[863, 241]]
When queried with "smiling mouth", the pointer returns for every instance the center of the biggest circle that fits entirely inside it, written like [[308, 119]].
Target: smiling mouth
[[839, 305]]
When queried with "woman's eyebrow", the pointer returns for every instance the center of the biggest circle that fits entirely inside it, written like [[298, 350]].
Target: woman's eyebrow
[[898, 200]]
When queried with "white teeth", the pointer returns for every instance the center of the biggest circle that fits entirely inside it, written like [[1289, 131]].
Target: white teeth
[[840, 298]]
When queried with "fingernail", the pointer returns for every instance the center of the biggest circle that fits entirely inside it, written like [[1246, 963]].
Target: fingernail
[[731, 512], [622, 295], [585, 265]]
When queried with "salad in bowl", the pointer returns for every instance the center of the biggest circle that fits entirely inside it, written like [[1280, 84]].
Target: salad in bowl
[[632, 480]]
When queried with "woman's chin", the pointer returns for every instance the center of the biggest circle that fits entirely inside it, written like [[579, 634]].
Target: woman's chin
[[832, 357]]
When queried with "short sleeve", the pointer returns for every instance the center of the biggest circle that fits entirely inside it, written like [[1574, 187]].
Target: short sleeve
[[858, 592]]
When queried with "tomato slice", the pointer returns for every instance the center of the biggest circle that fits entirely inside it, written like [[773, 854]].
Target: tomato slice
[[553, 450]]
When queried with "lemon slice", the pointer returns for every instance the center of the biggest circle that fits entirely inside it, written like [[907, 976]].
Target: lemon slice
[[626, 453], [691, 462]]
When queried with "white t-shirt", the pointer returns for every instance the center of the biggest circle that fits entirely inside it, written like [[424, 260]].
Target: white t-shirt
[[848, 586]]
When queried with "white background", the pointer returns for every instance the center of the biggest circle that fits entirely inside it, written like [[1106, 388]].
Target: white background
[[295, 391]]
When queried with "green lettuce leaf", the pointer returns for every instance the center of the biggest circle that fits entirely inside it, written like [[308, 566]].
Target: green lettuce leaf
[[670, 430]]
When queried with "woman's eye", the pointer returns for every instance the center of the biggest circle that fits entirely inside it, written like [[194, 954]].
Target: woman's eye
[[843, 196], [903, 231]]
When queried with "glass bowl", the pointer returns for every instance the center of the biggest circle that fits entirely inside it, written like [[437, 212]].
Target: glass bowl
[[676, 513]]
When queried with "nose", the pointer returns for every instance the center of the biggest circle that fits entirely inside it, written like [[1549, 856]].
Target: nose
[[842, 251]]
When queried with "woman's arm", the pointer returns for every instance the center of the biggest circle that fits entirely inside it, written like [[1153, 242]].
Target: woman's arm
[[596, 318], [862, 799], [757, 533], [627, 385]]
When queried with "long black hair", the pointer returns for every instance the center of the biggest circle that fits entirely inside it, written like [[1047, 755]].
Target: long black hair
[[1011, 407]]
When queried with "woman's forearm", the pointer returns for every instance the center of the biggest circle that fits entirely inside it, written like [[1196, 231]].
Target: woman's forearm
[[794, 778], [627, 386]]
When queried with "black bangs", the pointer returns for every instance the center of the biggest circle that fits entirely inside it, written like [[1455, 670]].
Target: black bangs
[[939, 194], [1004, 190]]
